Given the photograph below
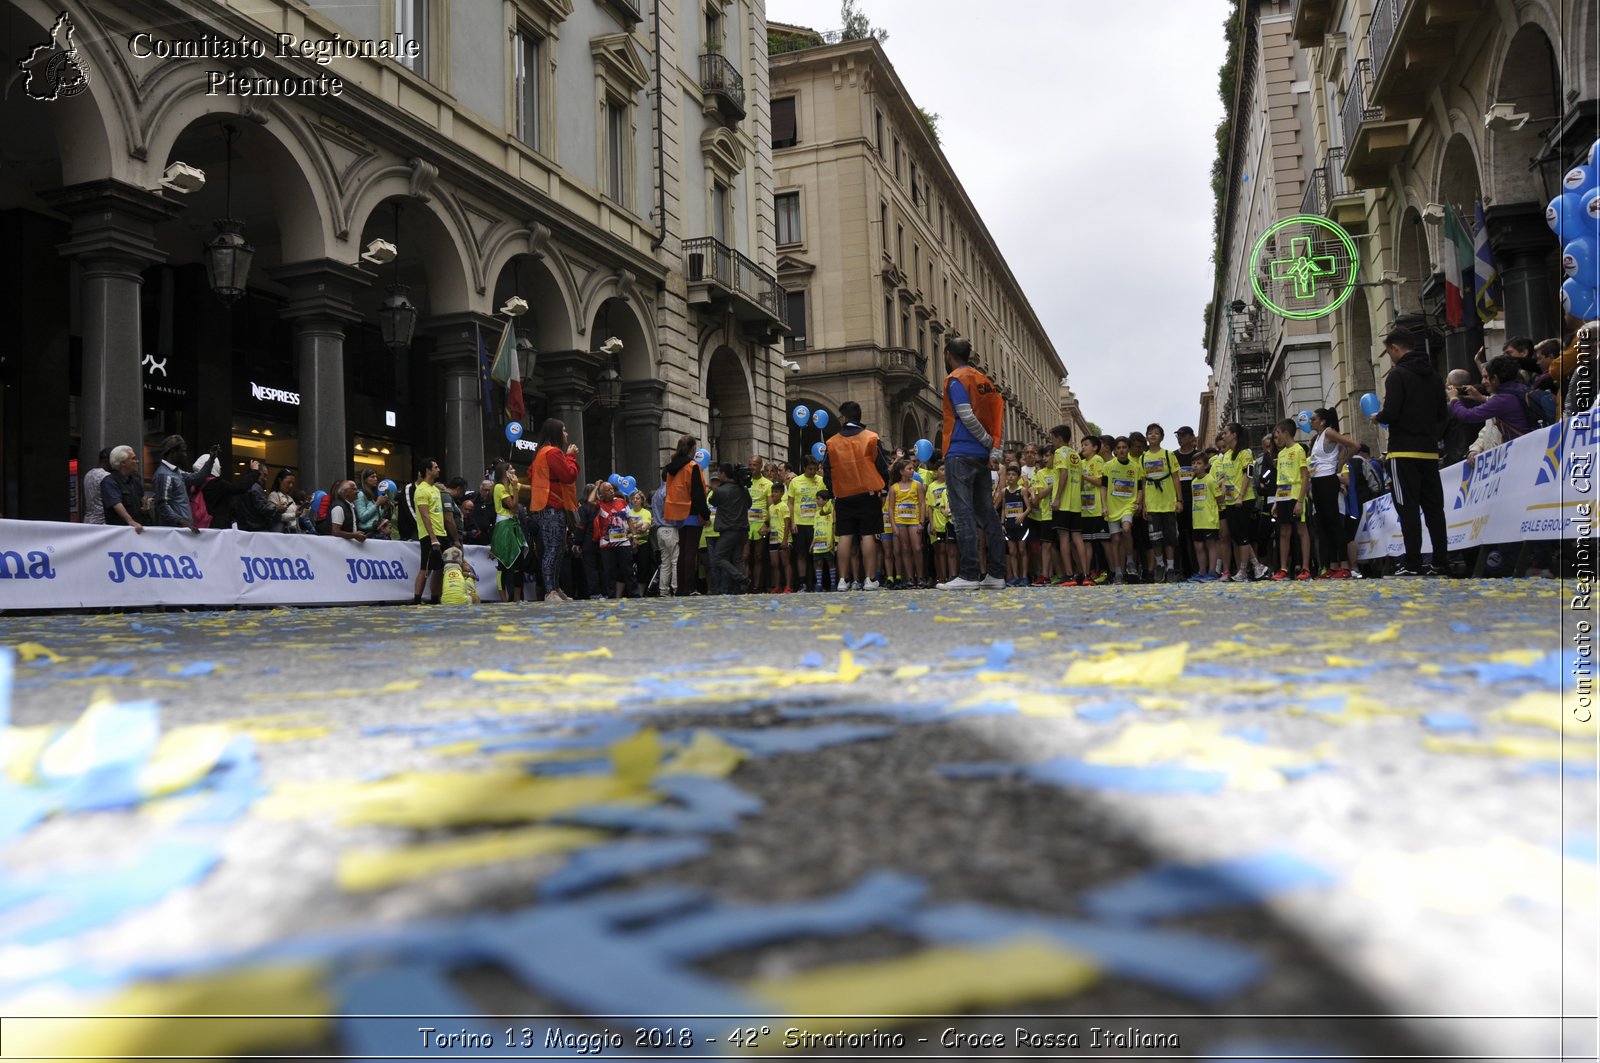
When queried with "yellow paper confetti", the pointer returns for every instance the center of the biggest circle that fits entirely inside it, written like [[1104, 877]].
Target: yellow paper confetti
[[33, 651], [1476, 879], [375, 869], [1390, 633], [706, 754], [578, 655], [425, 800], [89, 1029], [1150, 668], [1511, 746], [634, 759], [936, 981], [1201, 746], [911, 671], [20, 748], [1544, 709], [183, 757]]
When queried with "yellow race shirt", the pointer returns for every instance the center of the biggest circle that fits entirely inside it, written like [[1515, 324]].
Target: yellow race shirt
[[453, 591], [760, 497], [642, 532], [906, 510], [1159, 469], [1068, 465], [426, 494], [803, 497], [938, 498], [778, 522], [1044, 488], [1240, 485], [1204, 491], [822, 530], [1122, 488], [1090, 498], [1291, 459], [710, 531]]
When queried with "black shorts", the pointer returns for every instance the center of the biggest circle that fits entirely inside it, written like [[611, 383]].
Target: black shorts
[[432, 557], [1092, 528], [1041, 531], [801, 541], [1141, 533], [1204, 535], [1163, 527], [858, 515], [1241, 517], [1014, 532], [1283, 512], [1066, 520]]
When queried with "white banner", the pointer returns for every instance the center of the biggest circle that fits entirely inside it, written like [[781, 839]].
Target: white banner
[[49, 565], [1539, 486]]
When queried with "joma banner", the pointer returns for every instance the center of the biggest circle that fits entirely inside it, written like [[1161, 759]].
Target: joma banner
[[49, 565]]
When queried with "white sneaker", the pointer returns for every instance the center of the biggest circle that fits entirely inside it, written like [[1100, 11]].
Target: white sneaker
[[959, 584], [870, 585], [992, 583]]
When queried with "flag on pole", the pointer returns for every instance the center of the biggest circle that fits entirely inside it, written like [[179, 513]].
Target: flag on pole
[[504, 370], [483, 378], [1456, 252], [1486, 276]]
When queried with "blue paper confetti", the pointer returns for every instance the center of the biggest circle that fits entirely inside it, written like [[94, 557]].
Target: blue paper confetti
[[1175, 890], [600, 864], [1450, 722]]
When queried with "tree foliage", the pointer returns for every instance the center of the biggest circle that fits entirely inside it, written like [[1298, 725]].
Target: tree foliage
[[1094, 429], [856, 25], [930, 120], [1227, 86]]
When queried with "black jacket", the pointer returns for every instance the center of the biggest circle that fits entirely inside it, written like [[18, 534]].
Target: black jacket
[[1414, 407], [220, 495]]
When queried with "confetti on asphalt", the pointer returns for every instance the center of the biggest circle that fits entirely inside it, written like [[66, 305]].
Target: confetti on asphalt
[[1173, 890]]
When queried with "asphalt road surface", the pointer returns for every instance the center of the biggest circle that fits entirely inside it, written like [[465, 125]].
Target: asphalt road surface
[[1291, 821]]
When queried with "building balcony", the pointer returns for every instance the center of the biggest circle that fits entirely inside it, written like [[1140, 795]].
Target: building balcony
[[1373, 141], [627, 10], [1345, 205], [1314, 200], [1411, 42], [1312, 19], [903, 365], [722, 278], [722, 85]]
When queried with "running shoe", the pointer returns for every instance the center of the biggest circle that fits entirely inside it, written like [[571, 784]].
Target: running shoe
[[1304, 573], [992, 583], [1260, 571], [1101, 579], [960, 584], [1403, 570], [1198, 577], [1281, 574], [870, 585], [1339, 573]]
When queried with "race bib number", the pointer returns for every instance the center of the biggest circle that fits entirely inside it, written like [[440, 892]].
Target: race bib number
[[1122, 488]]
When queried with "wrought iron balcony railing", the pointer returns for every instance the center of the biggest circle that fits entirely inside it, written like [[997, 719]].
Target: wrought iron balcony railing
[[719, 76], [707, 259], [779, 43], [1381, 31], [1333, 171], [1315, 198], [1355, 111]]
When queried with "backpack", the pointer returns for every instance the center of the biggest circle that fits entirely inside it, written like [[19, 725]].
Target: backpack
[[405, 517], [1540, 407], [319, 507], [198, 507]]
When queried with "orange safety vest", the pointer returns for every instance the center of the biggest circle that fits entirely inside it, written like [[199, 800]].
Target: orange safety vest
[[679, 486], [542, 491], [985, 399], [853, 461]]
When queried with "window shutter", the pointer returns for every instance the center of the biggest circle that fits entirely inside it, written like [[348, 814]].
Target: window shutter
[[783, 123]]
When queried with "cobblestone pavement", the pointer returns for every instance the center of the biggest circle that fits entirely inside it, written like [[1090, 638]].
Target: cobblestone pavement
[[1316, 821]]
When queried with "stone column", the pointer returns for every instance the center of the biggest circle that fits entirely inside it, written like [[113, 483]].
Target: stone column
[[640, 415], [1524, 249], [321, 304], [456, 338], [113, 241], [566, 379]]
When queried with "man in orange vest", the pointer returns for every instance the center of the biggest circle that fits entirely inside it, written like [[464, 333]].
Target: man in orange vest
[[974, 412], [856, 474]]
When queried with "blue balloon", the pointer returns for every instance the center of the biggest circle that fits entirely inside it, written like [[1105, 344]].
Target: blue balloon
[[1577, 260], [819, 450], [1579, 179], [629, 485], [1565, 216], [703, 457], [1580, 301], [1589, 217], [924, 450], [513, 431], [1594, 154], [1303, 419], [802, 414], [1370, 403], [386, 487], [615, 479], [820, 418]]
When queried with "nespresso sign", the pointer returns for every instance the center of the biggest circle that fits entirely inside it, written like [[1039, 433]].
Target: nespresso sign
[[262, 393]]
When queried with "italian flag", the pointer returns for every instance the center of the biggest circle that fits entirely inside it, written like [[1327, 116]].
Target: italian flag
[[505, 372], [1458, 266]]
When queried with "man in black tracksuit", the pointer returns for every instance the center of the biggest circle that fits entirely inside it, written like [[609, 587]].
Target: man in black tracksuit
[[1414, 408]]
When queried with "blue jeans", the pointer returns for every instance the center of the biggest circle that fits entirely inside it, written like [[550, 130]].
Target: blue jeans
[[971, 493]]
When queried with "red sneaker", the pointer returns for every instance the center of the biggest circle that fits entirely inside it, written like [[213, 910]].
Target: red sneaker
[[1303, 574], [1339, 573], [1280, 574]]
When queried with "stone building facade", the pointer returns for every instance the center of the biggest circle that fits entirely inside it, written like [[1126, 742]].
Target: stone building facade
[[882, 254], [1374, 114], [607, 162]]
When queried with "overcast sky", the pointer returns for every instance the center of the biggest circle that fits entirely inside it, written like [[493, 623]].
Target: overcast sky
[[1083, 132]]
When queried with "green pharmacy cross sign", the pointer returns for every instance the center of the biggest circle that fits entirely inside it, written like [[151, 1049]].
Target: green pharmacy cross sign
[[1315, 277]]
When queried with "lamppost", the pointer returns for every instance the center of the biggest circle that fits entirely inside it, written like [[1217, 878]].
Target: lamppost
[[397, 317], [228, 256]]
